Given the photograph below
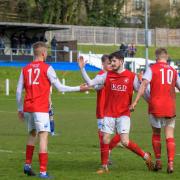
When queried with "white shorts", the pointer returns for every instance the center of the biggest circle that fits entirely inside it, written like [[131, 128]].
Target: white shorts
[[100, 123], [37, 121], [120, 125], [161, 122]]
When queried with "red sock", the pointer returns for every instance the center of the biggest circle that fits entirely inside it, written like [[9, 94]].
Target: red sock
[[100, 134], [29, 154], [43, 160], [156, 143], [114, 141], [171, 146], [136, 149], [104, 154]]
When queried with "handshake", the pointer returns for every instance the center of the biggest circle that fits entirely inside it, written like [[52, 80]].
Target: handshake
[[84, 87]]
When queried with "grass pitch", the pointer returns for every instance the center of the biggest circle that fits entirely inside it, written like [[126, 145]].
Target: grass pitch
[[74, 152]]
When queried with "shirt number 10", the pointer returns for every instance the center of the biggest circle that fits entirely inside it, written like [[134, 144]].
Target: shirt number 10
[[169, 76]]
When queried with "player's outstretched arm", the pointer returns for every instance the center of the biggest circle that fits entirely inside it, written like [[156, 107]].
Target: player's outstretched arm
[[97, 82], [85, 76], [141, 91], [137, 85], [59, 86], [19, 90]]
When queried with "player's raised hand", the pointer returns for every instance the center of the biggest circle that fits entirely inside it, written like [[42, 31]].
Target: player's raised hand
[[21, 115], [81, 62], [132, 106], [84, 87]]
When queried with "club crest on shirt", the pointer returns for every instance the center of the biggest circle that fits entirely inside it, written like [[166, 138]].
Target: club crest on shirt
[[126, 80], [112, 79]]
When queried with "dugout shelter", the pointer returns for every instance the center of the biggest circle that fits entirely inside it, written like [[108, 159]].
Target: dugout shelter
[[31, 30]]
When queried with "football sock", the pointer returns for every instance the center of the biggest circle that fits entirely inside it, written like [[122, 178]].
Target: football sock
[[100, 134], [43, 160], [170, 144], [29, 154], [136, 149], [114, 141], [156, 143], [104, 154]]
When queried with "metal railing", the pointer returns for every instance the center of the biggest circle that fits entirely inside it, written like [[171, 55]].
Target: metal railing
[[53, 54]]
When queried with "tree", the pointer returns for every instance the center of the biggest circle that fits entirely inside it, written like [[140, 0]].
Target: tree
[[104, 12], [158, 16]]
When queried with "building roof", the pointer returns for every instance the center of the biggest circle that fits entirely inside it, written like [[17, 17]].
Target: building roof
[[30, 26]]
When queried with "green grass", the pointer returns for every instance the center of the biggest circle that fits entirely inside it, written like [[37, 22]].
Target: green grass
[[174, 52], [74, 154]]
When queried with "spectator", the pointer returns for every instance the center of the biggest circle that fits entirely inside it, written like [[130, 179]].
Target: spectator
[[2, 44], [132, 50], [22, 42], [53, 47], [28, 44], [14, 43], [124, 49]]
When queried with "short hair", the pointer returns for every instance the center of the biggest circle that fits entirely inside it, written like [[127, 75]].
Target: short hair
[[37, 47], [104, 58], [118, 54], [160, 51]]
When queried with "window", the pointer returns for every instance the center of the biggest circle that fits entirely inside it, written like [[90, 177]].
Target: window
[[174, 2], [139, 4]]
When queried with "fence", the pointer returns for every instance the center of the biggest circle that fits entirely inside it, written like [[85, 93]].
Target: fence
[[109, 35], [19, 54]]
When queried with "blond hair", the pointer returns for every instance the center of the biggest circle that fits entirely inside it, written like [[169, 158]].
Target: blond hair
[[39, 47]]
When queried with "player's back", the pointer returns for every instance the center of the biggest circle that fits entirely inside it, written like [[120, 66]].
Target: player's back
[[119, 91], [162, 96], [37, 87]]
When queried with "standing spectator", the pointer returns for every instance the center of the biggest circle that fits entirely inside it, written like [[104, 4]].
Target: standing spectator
[[53, 48], [2, 44], [14, 43], [22, 42], [122, 48], [28, 45], [131, 50]]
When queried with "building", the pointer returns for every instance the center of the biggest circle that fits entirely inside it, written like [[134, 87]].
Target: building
[[133, 9]]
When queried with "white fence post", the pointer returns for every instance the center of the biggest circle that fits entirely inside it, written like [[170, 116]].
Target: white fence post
[[115, 36], [63, 82], [70, 56], [7, 87]]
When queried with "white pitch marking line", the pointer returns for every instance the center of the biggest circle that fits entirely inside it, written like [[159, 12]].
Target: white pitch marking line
[[50, 152], [6, 151], [15, 112]]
